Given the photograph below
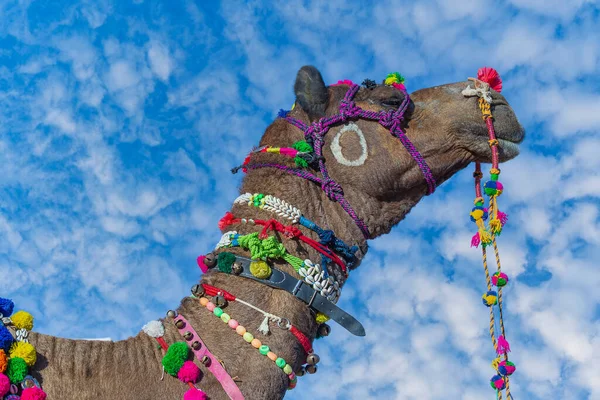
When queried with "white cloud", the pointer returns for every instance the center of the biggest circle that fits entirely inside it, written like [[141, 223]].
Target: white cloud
[[160, 60]]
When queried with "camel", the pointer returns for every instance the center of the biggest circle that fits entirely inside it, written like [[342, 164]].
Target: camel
[[380, 180]]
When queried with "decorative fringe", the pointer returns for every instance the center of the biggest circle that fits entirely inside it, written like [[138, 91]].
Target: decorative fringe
[[264, 326], [475, 240], [502, 347]]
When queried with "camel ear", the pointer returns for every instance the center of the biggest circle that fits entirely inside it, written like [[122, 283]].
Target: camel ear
[[311, 92]]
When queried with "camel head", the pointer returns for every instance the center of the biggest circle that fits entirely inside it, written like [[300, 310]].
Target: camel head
[[446, 127]]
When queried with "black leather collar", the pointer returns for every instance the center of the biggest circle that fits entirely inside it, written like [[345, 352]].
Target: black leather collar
[[304, 292]]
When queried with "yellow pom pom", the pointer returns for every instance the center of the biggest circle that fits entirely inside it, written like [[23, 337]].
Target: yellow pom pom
[[25, 351], [394, 77], [260, 269], [321, 318], [22, 320]]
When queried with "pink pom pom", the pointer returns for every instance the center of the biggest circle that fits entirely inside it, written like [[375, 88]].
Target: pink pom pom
[[33, 393], [4, 385], [491, 77], [189, 372], [475, 240], [399, 86], [344, 82], [195, 394], [502, 346], [200, 261]]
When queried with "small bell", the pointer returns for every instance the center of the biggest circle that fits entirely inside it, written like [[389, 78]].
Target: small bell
[[198, 290], [311, 369], [196, 345], [220, 301], [188, 336], [206, 361], [171, 314], [237, 268], [313, 359], [180, 324], [301, 371], [324, 330], [210, 260]]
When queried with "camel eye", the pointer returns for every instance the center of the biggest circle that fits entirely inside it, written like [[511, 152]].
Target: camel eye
[[392, 102]]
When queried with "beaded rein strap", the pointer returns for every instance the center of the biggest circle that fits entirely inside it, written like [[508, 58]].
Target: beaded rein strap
[[488, 78], [315, 134], [17, 355]]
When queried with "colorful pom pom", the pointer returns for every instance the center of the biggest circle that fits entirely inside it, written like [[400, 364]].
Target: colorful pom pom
[[176, 355], [490, 298], [321, 318], [154, 329], [33, 393], [17, 369], [344, 82], [225, 261], [22, 320], [260, 269], [3, 362], [499, 279], [4, 385], [6, 339], [189, 372], [195, 394], [493, 188], [497, 382], [506, 368], [491, 77], [6, 307], [394, 77], [478, 213], [24, 350]]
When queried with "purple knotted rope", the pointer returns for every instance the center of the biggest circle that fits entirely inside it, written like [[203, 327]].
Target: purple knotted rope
[[315, 134]]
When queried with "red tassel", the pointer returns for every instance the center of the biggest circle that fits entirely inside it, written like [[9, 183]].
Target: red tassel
[[502, 347], [491, 77], [227, 220]]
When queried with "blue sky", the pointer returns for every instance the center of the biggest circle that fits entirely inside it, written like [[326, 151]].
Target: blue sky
[[120, 121]]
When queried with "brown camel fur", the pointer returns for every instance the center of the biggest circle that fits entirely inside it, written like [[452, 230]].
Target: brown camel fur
[[445, 127]]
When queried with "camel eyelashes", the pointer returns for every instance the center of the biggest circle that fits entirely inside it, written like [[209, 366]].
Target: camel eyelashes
[[393, 102]]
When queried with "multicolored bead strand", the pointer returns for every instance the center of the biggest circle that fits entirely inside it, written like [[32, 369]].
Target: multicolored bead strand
[[487, 235], [250, 339]]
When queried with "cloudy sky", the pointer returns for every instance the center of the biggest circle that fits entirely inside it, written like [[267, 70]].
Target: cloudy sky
[[119, 122]]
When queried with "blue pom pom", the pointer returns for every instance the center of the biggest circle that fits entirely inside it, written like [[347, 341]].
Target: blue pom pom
[[6, 339], [6, 307], [282, 113]]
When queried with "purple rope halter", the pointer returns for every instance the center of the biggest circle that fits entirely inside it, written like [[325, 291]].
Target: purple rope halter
[[315, 135]]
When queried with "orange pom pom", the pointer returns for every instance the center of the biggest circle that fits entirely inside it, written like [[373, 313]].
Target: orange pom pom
[[3, 361]]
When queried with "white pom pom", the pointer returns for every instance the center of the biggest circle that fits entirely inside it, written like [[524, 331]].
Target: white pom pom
[[154, 329]]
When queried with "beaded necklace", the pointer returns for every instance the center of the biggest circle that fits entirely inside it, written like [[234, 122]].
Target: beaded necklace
[[486, 236], [176, 360], [17, 355]]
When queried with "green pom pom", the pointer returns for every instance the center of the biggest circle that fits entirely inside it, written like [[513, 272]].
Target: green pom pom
[[303, 146], [176, 355], [17, 369], [225, 261], [394, 77]]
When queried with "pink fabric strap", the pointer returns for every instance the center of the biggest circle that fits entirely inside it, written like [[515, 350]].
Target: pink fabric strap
[[215, 366]]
